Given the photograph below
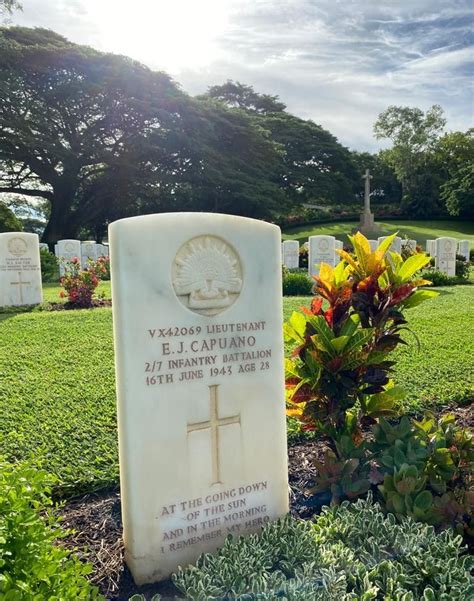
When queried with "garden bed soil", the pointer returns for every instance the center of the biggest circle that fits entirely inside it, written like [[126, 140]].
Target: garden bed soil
[[97, 523]]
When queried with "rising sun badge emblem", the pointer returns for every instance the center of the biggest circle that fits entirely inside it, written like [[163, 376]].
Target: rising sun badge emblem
[[207, 275]]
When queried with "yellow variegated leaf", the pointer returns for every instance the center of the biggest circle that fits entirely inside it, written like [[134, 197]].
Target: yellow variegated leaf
[[361, 248], [295, 411], [385, 245], [326, 273], [411, 266], [348, 259], [339, 343]]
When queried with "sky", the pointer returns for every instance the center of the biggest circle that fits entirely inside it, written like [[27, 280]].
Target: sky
[[337, 62]]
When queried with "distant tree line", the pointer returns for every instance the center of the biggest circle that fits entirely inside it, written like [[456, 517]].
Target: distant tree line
[[92, 137]]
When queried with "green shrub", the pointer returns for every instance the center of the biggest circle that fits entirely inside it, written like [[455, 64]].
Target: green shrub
[[32, 565], [462, 268], [49, 266], [438, 278], [9, 222], [297, 284], [351, 551]]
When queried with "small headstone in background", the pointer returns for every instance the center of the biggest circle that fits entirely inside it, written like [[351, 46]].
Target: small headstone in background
[[445, 260], [89, 251], [291, 254], [20, 270], [396, 245], [373, 245], [338, 245], [464, 249], [409, 244], [67, 250], [200, 384], [44, 246], [321, 250], [431, 247]]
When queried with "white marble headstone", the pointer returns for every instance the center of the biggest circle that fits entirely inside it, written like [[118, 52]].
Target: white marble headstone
[[200, 384], [373, 245], [20, 269], [445, 260], [321, 250], [67, 250], [396, 245], [44, 246], [338, 245], [291, 254], [431, 247], [464, 249], [89, 251], [409, 244]]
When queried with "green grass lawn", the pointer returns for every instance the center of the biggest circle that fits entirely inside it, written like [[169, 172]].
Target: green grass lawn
[[421, 231], [57, 397]]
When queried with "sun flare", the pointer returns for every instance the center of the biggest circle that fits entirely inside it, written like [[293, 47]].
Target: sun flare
[[171, 34]]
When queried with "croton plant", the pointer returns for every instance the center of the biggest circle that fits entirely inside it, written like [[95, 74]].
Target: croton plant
[[338, 383]]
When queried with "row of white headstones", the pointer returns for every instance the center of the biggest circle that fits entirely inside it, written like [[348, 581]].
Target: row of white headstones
[[20, 265], [199, 374], [323, 249], [20, 271]]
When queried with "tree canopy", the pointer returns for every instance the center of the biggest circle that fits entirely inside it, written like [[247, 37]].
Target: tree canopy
[[8, 221]]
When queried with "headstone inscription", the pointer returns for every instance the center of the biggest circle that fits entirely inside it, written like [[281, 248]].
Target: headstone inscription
[[291, 254], [20, 269], [199, 364], [67, 250], [321, 250], [464, 249], [445, 258], [396, 245]]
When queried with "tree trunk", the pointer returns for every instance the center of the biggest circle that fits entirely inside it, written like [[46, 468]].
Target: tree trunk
[[59, 225]]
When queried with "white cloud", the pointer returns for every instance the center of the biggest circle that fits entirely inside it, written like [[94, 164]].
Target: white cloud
[[339, 62]]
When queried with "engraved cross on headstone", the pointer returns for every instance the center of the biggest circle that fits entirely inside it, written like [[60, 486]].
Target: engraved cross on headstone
[[367, 177], [20, 285], [214, 423]]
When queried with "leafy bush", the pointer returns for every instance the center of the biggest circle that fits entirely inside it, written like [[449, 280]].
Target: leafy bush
[[32, 564], [462, 268], [49, 266], [351, 551], [304, 255], [103, 268], [339, 372], [422, 466], [80, 284], [338, 382], [9, 222], [297, 284]]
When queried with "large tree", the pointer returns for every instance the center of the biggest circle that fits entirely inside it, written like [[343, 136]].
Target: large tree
[[414, 135], [454, 158], [84, 130], [313, 165]]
